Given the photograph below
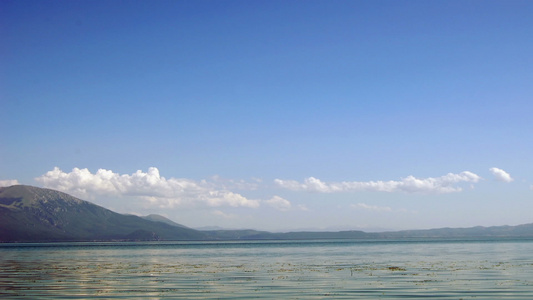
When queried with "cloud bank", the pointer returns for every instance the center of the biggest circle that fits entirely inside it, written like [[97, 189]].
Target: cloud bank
[[8, 182], [410, 184], [365, 206], [279, 203], [149, 185], [501, 175]]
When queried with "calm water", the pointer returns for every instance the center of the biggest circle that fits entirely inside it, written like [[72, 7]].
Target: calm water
[[280, 270]]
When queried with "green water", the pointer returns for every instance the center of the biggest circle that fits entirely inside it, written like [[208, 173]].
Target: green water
[[482, 269]]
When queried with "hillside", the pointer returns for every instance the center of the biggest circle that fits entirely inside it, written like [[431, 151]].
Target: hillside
[[35, 214], [159, 218]]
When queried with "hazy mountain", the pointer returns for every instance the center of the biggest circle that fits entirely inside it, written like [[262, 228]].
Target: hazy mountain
[[34, 214], [31, 214], [204, 228], [238, 234], [520, 231], [160, 218], [525, 230]]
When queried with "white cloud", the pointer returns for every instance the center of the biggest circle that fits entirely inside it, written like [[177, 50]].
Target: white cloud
[[302, 207], [370, 207], [147, 185], [501, 175], [8, 182], [279, 203], [231, 184], [410, 184], [224, 215]]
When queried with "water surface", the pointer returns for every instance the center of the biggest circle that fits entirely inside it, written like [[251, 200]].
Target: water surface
[[343, 269]]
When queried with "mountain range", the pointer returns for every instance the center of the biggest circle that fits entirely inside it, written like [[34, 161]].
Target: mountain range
[[32, 214], [29, 214]]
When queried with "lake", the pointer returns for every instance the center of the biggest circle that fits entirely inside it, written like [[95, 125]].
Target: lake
[[317, 269]]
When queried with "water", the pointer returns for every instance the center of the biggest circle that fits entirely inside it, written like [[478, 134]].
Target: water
[[340, 269]]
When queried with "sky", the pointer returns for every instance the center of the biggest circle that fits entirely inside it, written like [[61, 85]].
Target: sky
[[274, 115]]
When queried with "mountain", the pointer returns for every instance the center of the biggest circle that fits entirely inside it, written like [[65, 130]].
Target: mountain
[[159, 218], [210, 228], [239, 234], [525, 230], [479, 232], [31, 214]]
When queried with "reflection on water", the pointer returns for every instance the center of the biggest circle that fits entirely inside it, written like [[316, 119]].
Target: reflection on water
[[289, 269]]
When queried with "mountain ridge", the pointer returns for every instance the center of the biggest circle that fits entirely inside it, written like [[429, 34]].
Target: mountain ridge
[[160, 218], [33, 214], [29, 213]]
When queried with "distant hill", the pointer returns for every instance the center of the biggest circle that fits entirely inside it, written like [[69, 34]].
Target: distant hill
[[519, 231], [525, 230], [31, 214], [159, 218], [238, 234], [35, 214], [212, 228]]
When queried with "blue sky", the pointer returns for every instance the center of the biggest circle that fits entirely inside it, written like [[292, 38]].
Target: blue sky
[[274, 115]]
